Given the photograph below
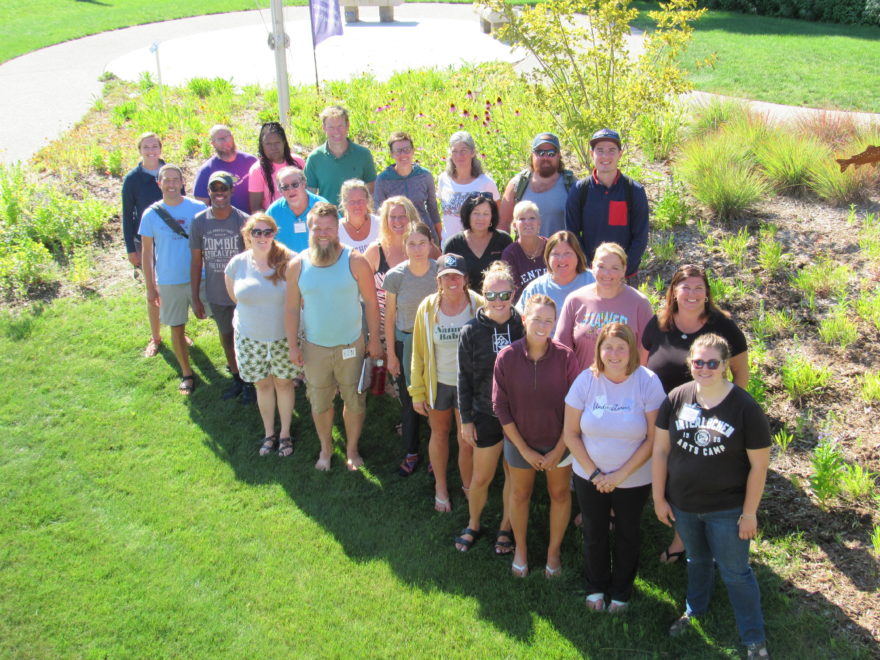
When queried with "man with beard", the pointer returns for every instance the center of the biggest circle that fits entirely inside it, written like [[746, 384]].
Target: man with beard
[[325, 285], [545, 182], [291, 211], [226, 158], [214, 239]]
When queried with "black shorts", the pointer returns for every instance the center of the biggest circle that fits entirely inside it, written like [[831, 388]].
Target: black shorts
[[488, 428]]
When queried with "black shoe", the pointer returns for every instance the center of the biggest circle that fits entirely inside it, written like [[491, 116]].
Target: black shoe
[[248, 394], [233, 390]]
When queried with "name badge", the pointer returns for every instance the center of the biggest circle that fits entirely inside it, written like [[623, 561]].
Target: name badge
[[348, 353], [299, 228], [689, 412]]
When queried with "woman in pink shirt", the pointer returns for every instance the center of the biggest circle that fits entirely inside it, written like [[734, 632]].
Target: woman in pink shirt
[[274, 154]]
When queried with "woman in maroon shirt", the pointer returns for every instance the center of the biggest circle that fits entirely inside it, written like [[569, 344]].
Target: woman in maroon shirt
[[532, 377]]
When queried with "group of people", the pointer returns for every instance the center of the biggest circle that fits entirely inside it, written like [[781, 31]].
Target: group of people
[[537, 347]]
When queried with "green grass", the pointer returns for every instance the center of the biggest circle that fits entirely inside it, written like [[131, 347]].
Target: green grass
[[135, 523]]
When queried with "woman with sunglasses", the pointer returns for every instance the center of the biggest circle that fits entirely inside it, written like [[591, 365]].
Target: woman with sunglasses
[[411, 180], [711, 452], [530, 382], [274, 153], [464, 175], [610, 413], [434, 369], [480, 243], [255, 280], [689, 313], [525, 255], [496, 326]]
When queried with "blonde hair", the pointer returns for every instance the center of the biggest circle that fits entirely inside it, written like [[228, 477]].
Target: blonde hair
[[497, 271], [145, 136], [385, 212], [711, 340], [279, 254], [610, 248], [351, 185], [526, 205]]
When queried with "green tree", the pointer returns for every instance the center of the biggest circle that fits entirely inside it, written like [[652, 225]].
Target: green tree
[[587, 76]]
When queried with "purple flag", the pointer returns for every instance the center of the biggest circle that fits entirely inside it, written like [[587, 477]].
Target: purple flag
[[326, 20]]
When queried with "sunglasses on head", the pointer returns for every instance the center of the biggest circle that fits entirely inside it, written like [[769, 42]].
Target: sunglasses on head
[[707, 364], [257, 233], [498, 295], [291, 186], [480, 195], [545, 153]]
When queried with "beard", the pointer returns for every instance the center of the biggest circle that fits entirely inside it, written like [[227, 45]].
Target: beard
[[546, 169], [323, 255]]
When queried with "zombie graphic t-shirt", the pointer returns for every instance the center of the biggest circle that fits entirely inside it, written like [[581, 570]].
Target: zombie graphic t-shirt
[[708, 464]]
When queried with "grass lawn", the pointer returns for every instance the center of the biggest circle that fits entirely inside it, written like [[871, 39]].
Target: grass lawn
[[136, 523]]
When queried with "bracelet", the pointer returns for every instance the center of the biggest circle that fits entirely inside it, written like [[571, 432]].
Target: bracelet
[[594, 475]]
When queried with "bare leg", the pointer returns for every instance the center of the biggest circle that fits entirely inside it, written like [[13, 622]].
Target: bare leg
[[324, 428], [465, 457], [485, 463], [285, 395], [505, 495], [153, 316], [181, 350], [558, 481], [522, 481], [676, 546], [438, 451], [354, 424], [266, 404]]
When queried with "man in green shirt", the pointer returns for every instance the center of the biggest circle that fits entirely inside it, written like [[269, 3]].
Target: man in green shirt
[[338, 159]]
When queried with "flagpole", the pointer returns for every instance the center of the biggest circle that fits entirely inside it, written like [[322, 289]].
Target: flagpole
[[278, 42], [314, 47]]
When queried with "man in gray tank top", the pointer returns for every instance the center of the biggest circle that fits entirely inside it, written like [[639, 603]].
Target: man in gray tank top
[[325, 285], [545, 182]]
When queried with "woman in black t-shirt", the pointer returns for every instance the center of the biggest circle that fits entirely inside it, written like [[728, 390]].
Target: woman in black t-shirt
[[689, 312], [711, 452]]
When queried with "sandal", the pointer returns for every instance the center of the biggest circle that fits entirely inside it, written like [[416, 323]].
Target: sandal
[[503, 548], [187, 385], [551, 573], [519, 571], [667, 557], [409, 465], [466, 544], [617, 606], [152, 349], [596, 602], [268, 445], [757, 650], [441, 505], [285, 447]]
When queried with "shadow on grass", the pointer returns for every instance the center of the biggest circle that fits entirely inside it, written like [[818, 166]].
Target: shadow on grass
[[376, 515]]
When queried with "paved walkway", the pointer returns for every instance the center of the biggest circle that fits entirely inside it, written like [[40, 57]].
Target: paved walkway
[[48, 91]]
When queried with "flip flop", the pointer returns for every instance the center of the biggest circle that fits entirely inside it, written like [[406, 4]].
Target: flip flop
[[441, 505], [152, 349], [519, 571], [551, 573], [596, 602], [667, 557]]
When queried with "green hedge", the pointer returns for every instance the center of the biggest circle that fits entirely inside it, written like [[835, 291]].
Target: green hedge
[[831, 11]]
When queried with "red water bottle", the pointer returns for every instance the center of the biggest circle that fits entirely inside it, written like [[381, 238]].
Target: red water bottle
[[379, 372]]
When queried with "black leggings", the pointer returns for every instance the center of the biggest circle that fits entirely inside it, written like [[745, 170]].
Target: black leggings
[[411, 421]]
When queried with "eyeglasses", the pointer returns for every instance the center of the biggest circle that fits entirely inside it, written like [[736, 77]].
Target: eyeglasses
[[257, 233], [707, 364], [479, 195], [492, 296], [402, 151], [545, 153], [291, 186]]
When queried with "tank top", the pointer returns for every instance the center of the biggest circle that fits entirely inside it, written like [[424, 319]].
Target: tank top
[[331, 301], [552, 206]]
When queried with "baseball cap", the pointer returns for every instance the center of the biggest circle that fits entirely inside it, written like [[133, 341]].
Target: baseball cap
[[545, 138], [451, 263], [223, 177], [605, 134]]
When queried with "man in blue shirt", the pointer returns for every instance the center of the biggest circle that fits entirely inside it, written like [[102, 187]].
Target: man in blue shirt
[[608, 206], [291, 211]]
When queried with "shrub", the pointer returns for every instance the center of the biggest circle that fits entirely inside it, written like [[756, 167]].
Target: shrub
[[671, 210], [827, 469], [870, 388], [857, 482], [785, 160], [838, 188], [735, 246], [801, 377], [709, 117], [838, 329], [658, 133]]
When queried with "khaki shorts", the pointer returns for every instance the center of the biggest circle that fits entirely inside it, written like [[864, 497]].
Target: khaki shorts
[[175, 301], [326, 370], [258, 360]]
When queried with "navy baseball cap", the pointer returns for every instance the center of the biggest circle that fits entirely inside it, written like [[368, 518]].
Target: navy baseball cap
[[605, 134], [451, 263], [545, 138]]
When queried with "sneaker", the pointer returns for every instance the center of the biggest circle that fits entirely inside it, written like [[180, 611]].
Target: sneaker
[[682, 624], [757, 651], [233, 390], [248, 394]]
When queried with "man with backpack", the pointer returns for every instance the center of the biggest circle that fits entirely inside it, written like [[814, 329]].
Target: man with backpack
[[545, 182], [608, 206], [165, 228]]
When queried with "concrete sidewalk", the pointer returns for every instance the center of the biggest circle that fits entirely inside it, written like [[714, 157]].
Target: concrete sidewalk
[[48, 91]]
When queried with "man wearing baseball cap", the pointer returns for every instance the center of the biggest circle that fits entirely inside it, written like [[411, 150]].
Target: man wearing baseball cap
[[545, 182], [608, 206]]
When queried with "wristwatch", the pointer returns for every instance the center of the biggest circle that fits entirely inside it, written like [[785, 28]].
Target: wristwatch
[[594, 475]]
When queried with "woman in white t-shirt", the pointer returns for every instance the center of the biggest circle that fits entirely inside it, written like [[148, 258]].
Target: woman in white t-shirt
[[464, 174], [358, 227], [610, 413]]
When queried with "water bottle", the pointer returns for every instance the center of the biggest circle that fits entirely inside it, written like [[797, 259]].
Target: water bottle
[[379, 372]]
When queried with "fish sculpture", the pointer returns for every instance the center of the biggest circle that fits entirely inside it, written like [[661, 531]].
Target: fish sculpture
[[869, 155]]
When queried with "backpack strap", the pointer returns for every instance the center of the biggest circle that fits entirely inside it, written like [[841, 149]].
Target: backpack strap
[[166, 217], [521, 183], [568, 179]]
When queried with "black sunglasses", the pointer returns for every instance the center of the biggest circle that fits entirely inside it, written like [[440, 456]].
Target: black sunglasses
[[708, 364], [479, 195], [256, 233], [545, 153], [498, 295]]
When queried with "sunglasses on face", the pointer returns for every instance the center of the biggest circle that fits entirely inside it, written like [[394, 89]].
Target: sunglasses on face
[[491, 296], [291, 186], [545, 153], [479, 195], [257, 233], [707, 364]]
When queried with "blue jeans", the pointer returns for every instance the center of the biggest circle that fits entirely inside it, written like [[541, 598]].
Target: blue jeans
[[711, 538]]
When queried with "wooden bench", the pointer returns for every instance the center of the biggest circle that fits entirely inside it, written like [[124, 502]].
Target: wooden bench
[[386, 9]]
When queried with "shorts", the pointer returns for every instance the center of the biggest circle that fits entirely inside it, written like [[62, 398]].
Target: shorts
[[223, 317], [326, 370], [258, 360], [447, 397], [175, 301], [515, 459], [488, 430]]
